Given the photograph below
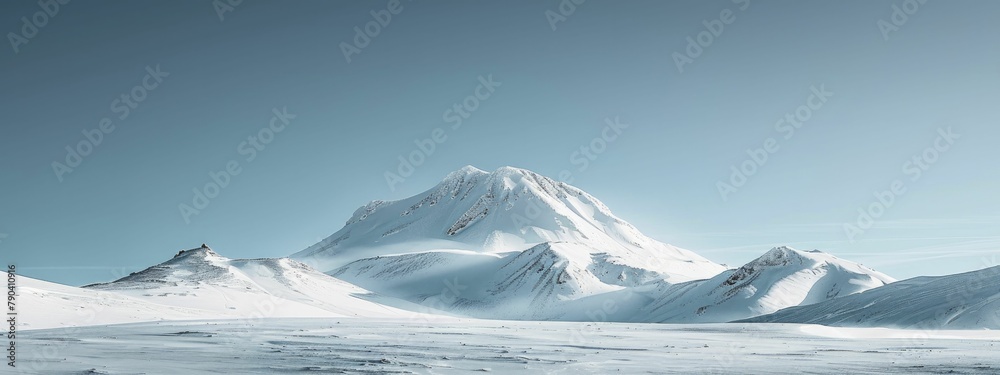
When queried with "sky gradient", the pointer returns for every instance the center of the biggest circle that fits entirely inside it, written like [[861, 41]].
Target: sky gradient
[[559, 76]]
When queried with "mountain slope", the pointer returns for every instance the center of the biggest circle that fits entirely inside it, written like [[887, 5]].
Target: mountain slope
[[203, 280], [781, 278], [544, 282], [507, 210], [43, 305], [964, 301]]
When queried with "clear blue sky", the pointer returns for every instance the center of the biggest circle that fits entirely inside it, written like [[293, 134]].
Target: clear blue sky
[[117, 211]]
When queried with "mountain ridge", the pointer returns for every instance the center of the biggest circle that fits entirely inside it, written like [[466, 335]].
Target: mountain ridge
[[780, 278]]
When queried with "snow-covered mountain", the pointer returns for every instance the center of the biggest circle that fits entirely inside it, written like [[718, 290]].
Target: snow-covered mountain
[[520, 246], [781, 278], [507, 210], [203, 280], [968, 300]]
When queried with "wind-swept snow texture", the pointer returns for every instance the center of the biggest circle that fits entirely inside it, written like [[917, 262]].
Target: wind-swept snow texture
[[968, 300], [361, 346]]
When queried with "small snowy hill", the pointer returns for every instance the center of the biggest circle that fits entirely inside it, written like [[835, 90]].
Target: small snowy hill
[[964, 301], [781, 278], [43, 305], [508, 210], [203, 280]]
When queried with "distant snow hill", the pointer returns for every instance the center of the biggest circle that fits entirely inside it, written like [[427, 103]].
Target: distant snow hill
[[512, 244], [781, 278], [42, 304], [203, 280], [968, 300], [200, 284]]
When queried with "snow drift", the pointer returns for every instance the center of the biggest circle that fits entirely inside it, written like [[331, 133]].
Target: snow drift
[[968, 300], [781, 278]]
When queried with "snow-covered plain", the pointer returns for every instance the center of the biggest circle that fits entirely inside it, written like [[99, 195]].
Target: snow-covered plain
[[369, 346]]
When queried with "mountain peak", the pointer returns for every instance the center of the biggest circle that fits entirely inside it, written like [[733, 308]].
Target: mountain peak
[[469, 175], [201, 258], [202, 252], [777, 255], [465, 171], [508, 209], [504, 171], [509, 171], [783, 254], [793, 259], [781, 278]]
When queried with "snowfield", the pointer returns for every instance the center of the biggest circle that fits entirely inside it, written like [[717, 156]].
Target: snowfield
[[369, 346]]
